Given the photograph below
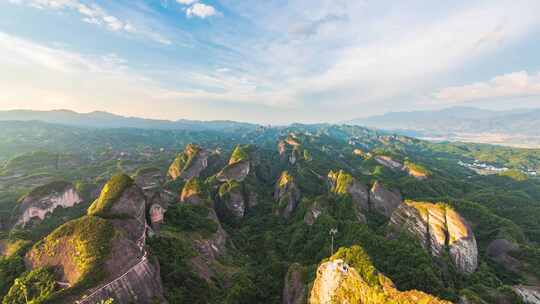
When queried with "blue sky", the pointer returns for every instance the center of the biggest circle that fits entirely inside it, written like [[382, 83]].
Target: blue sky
[[268, 61]]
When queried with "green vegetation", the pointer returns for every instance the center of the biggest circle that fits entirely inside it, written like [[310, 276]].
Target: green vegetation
[[184, 160], [189, 218], [356, 257], [343, 181], [514, 174], [229, 187], [416, 168], [240, 152], [52, 187], [85, 240], [35, 286], [10, 268], [110, 194]]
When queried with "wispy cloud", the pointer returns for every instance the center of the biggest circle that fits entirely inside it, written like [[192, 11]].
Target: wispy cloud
[[93, 14], [517, 84]]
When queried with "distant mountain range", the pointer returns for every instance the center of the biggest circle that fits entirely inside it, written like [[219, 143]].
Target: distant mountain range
[[515, 127], [100, 119]]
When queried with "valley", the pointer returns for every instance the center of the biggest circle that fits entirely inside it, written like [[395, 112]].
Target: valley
[[203, 216]]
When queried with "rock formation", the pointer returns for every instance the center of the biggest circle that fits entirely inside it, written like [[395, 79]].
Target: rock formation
[[239, 165], [43, 200], [149, 178], [313, 212], [342, 280], [289, 149], [383, 200], [529, 294], [286, 194], [191, 193], [408, 167], [344, 183], [232, 199], [189, 163], [295, 289], [438, 227], [105, 248]]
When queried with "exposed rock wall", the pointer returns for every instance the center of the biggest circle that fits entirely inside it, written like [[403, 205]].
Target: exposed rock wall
[[234, 172], [383, 200], [337, 282], [190, 163], [529, 294], [286, 194], [295, 290], [438, 227], [38, 207], [140, 284]]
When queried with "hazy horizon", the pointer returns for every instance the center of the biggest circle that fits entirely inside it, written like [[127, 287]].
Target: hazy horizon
[[275, 62]]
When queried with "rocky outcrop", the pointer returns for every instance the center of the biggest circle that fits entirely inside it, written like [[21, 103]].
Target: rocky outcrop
[[289, 149], [313, 212], [528, 294], [286, 195], [232, 199], [438, 227], [383, 200], [338, 281], [192, 192], [190, 163], [234, 172], [157, 215], [388, 162], [149, 178], [344, 183], [413, 170], [295, 289], [105, 247], [42, 201]]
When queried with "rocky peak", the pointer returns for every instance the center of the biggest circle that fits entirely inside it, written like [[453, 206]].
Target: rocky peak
[[439, 227], [383, 200], [343, 183], [412, 169], [286, 194], [120, 197], [289, 149], [189, 163], [43, 200], [529, 294], [192, 192], [349, 277]]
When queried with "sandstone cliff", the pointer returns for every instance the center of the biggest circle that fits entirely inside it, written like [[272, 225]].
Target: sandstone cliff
[[344, 183], [189, 163], [349, 277], [232, 199], [383, 200], [295, 289], [286, 194], [42, 201], [439, 227]]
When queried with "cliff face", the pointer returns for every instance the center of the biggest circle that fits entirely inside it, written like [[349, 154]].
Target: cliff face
[[237, 171], [438, 227], [344, 183], [382, 200], [43, 200], [189, 163], [295, 289], [232, 199], [286, 194], [529, 294], [338, 281]]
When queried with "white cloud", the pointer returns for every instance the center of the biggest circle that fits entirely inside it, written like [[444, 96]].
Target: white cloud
[[94, 14], [201, 10], [186, 2], [517, 84]]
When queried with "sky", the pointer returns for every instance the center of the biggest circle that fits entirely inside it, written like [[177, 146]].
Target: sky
[[268, 61]]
